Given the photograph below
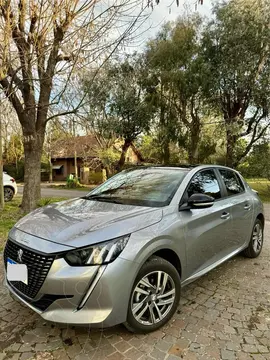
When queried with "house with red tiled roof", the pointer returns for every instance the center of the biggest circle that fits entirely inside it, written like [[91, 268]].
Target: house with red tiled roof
[[86, 149]]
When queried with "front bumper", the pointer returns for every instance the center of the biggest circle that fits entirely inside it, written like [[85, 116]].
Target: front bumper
[[97, 295]]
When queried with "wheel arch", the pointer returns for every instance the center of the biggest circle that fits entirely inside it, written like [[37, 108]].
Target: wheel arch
[[171, 256], [261, 218], [140, 251], [9, 187]]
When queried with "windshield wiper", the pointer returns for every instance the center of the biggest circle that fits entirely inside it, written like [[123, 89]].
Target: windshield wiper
[[109, 191], [103, 198], [99, 195]]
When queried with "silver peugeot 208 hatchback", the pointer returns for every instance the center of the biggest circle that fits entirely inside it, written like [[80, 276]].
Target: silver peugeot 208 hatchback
[[122, 253]]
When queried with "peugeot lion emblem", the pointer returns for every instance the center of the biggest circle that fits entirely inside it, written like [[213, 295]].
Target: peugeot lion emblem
[[20, 254]]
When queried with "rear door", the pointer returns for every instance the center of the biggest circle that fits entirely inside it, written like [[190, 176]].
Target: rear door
[[241, 206], [207, 231]]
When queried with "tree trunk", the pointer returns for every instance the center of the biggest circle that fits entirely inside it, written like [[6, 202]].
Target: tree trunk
[[2, 201], [50, 169], [164, 136], [122, 159], [230, 147], [33, 145], [193, 153], [108, 171], [104, 175], [166, 151]]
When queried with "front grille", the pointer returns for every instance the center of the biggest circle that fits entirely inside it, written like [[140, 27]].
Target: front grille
[[45, 301], [38, 266]]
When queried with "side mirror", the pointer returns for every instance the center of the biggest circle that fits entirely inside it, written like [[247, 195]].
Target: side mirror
[[200, 201]]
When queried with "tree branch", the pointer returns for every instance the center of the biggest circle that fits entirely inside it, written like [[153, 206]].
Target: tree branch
[[253, 121], [253, 141], [63, 57], [33, 22], [21, 7], [12, 97], [64, 113], [17, 32], [14, 78]]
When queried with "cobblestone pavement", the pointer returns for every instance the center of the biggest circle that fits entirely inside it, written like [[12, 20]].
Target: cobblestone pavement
[[224, 315]]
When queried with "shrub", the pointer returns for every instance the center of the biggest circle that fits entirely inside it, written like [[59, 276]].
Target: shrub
[[95, 178], [73, 183]]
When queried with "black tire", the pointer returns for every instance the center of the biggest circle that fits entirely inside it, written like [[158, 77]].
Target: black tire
[[250, 250], [154, 264], [8, 193]]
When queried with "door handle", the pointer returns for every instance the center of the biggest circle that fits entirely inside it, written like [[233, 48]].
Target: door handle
[[247, 207], [225, 215]]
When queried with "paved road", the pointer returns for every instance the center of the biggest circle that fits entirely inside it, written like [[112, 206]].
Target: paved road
[[224, 315], [49, 192]]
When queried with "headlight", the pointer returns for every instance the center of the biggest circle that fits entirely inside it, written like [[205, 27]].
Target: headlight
[[98, 254]]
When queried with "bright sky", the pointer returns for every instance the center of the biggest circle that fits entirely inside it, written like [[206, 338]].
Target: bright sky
[[167, 10]]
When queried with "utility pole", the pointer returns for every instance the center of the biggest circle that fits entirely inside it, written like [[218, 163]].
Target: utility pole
[[2, 200]]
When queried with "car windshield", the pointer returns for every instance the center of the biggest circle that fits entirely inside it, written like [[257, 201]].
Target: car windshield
[[154, 187]]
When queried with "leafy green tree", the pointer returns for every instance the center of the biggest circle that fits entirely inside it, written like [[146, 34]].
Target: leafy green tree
[[158, 84], [188, 78], [175, 59], [14, 155], [108, 158], [236, 50], [150, 148], [257, 164], [14, 149], [130, 106], [118, 103]]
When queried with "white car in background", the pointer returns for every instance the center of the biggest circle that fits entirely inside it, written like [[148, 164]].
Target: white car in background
[[10, 187]]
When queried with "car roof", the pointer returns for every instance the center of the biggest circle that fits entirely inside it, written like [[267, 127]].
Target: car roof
[[173, 167], [185, 167], [163, 167]]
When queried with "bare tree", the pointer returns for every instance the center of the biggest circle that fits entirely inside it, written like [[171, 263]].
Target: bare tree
[[2, 203], [8, 127], [43, 43]]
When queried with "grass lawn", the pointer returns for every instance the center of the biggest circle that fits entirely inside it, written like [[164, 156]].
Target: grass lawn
[[12, 214], [262, 186]]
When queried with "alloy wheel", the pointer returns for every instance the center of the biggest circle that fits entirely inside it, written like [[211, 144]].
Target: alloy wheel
[[257, 237], [8, 194], [153, 298]]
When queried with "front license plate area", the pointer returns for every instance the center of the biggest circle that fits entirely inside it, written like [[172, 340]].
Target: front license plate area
[[17, 272]]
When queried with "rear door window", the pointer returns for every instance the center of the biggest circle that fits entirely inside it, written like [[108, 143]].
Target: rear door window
[[232, 182]]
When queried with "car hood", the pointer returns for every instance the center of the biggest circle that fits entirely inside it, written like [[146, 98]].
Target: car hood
[[81, 222]]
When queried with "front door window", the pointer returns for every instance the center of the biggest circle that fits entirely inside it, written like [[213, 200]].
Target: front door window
[[205, 182]]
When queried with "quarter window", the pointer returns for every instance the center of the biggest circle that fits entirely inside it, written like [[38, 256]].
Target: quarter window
[[205, 182], [232, 182]]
